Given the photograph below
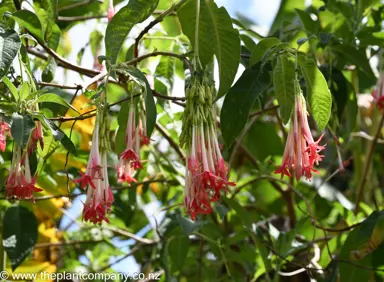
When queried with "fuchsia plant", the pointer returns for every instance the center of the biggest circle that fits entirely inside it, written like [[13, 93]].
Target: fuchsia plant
[[206, 171], [301, 152]]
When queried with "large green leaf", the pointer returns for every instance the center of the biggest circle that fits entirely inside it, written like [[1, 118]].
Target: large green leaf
[[187, 16], [59, 135], [178, 250], [354, 56], [50, 6], [262, 48], [320, 99], [216, 37], [189, 226], [150, 106], [239, 101], [136, 11], [31, 22], [9, 46], [21, 129], [310, 25], [226, 42], [54, 98], [357, 239], [286, 13], [284, 83], [19, 234], [12, 88]]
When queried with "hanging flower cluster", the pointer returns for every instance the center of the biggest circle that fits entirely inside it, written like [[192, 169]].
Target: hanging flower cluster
[[206, 171], [20, 183], [301, 152], [135, 137], [95, 179], [4, 129], [378, 92]]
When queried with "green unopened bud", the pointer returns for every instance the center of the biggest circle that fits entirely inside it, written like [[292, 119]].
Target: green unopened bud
[[192, 92], [201, 95]]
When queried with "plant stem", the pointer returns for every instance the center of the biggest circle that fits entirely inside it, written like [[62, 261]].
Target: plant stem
[[363, 181]]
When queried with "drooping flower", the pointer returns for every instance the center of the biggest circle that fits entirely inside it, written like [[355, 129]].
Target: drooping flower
[[111, 10], [4, 129], [37, 135], [20, 183], [378, 92], [135, 138], [95, 181], [301, 152], [206, 171]]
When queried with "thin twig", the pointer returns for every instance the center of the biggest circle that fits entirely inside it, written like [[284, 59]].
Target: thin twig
[[367, 166], [61, 86], [175, 146], [159, 19], [181, 57], [80, 18], [60, 60], [68, 243], [136, 248], [75, 5]]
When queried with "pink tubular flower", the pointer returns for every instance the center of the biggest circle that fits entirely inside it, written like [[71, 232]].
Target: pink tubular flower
[[206, 173], [20, 183], [301, 152], [111, 11], [3, 134], [135, 138], [95, 180], [37, 135], [378, 92]]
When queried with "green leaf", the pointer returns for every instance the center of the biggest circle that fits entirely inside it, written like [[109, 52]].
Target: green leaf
[[357, 239], [21, 128], [24, 90], [262, 48], [284, 83], [320, 99], [49, 71], [19, 234], [54, 38], [216, 36], [59, 135], [189, 226], [187, 17], [150, 106], [286, 13], [365, 5], [50, 6], [354, 56], [166, 69], [239, 102], [136, 11], [11, 88], [9, 46], [178, 251], [311, 26], [31, 22], [226, 43], [262, 148], [339, 88], [54, 98]]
